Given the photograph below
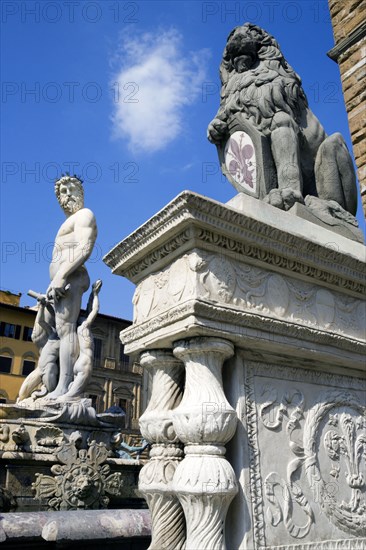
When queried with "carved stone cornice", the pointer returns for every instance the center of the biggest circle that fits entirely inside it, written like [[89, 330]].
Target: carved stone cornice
[[343, 45], [201, 318], [280, 241], [349, 544]]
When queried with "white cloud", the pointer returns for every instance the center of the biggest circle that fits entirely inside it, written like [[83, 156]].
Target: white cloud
[[155, 82]]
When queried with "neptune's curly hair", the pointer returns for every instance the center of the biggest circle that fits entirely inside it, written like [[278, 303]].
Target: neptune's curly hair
[[68, 179]]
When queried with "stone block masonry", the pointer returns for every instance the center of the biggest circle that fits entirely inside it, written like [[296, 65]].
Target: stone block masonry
[[349, 29]]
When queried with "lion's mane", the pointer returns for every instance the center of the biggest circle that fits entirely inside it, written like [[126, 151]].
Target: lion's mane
[[270, 86]]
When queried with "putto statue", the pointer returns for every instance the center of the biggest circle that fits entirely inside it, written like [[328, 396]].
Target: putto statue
[[270, 144], [66, 352]]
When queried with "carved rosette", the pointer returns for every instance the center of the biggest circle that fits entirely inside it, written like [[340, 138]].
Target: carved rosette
[[204, 481], [156, 425], [81, 481]]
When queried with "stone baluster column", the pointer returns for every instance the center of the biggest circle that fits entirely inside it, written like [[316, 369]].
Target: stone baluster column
[[204, 481], [156, 425]]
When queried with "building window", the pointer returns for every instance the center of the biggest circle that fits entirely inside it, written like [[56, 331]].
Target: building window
[[98, 344], [123, 403], [27, 334], [10, 331], [3, 396], [94, 400], [28, 367], [123, 358], [5, 364]]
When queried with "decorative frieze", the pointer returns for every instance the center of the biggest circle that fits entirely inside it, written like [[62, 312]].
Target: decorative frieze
[[258, 234], [247, 288]]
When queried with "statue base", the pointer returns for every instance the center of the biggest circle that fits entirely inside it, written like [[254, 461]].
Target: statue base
[[311, 211], [283, 301], [38, 435]]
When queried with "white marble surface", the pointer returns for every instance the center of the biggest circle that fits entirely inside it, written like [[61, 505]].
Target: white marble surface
[[283, 301]]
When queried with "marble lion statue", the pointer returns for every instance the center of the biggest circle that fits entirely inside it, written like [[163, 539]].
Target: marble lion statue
[[260, 87]]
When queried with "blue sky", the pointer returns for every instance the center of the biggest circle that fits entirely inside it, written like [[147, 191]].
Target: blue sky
[[83, 90]]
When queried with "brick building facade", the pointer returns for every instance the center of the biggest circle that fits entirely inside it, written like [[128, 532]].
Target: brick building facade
[[349, 30]]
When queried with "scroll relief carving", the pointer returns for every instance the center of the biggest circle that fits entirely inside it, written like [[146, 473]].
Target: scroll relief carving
[[247, 288], [332, 454]]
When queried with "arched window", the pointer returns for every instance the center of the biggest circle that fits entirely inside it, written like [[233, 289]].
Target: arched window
[[6, 360], [95, 392], [29, 363]]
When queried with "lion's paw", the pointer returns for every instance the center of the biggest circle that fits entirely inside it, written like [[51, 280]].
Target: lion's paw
[[216, 130], [329, 208], [284, 198]]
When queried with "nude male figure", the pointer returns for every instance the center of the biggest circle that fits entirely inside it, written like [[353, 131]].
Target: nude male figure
[[69, 278], [84, 365]]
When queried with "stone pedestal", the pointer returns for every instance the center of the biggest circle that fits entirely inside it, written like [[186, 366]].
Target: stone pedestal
[[280, 302]]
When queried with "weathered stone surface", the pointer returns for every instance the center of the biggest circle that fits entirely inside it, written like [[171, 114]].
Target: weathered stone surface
[[193, 231], [204, 481], [22, 458], [349, 29], [72, 526], [83, 480], [156, 424]]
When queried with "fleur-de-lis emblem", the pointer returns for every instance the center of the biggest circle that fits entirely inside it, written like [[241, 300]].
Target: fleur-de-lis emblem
[[240, 160], [348, 443]]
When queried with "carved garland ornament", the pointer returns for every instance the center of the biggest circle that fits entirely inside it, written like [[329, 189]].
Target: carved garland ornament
[[249, 320], [203, 276], [347, 440]]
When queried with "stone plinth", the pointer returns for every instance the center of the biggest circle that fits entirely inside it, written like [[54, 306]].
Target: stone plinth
[[281, 300], [76, 529]]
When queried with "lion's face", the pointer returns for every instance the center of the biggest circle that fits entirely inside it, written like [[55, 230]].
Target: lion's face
[[82, 486], [257, 81], [242, 50]]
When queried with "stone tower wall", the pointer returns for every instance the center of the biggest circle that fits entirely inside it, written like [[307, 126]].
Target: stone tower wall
[[349, 29]]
